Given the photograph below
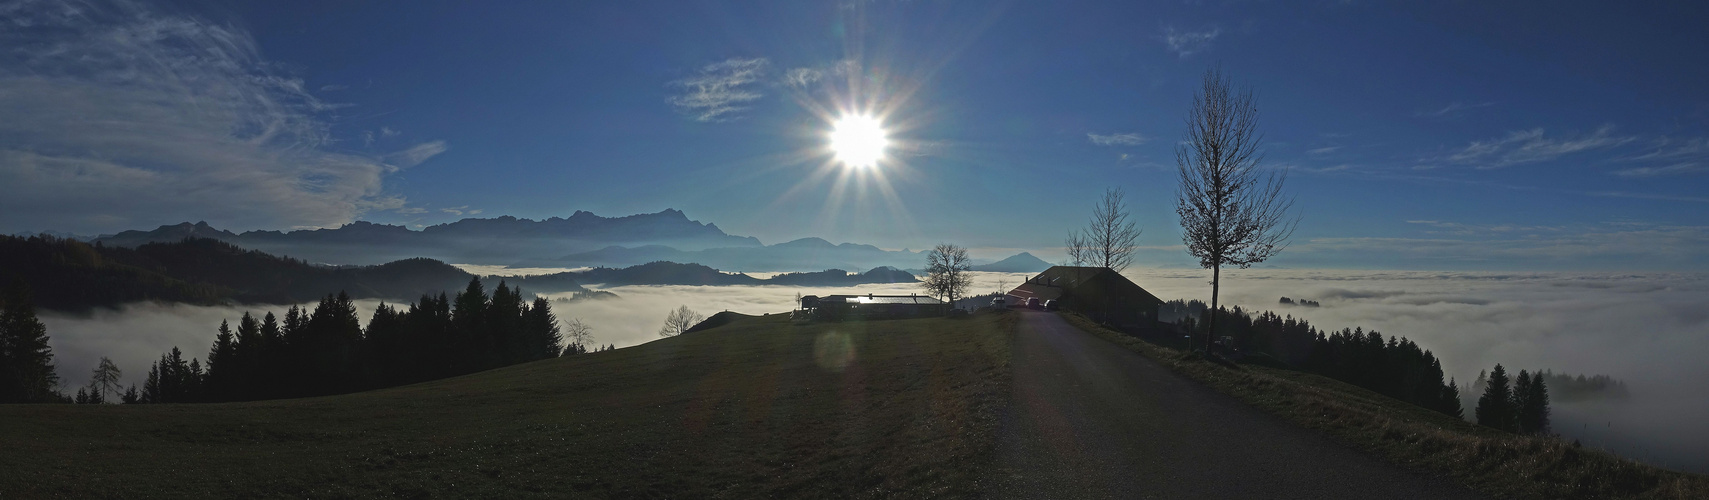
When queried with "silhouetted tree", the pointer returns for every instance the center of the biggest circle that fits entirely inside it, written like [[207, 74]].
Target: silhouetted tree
[[679, 321], [221, 360], [1495, 408], [1231, 214], [105, 378], [26, 361], [469, 326], [1531, 400], [1109, 239], [578, 335], [131, 396], [543, 337], [1451, 400], [946, 272]]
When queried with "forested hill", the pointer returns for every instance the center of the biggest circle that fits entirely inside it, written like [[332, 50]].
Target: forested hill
[[69, 275]]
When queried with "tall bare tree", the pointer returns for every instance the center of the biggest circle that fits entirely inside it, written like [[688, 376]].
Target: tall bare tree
[[106, 377], [1231, 213], [946, 272], [577, 333], [680, 321], [1109, 239]]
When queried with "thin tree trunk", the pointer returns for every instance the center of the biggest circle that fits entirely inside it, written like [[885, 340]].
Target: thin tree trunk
[[1216, 286]]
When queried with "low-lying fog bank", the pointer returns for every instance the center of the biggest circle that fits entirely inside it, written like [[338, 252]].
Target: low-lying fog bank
[[1649, 330]]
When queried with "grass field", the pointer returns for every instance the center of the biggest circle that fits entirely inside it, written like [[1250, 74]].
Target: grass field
[[1497, 463], [758, 407]]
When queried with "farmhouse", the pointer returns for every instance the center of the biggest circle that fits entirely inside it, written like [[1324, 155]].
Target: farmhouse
[[1097, 292], [869, 306]]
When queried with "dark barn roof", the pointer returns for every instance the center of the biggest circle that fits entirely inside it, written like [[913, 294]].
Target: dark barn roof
[[1096, 291]]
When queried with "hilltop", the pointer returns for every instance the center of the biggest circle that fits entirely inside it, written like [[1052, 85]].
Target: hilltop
[[757, 407]]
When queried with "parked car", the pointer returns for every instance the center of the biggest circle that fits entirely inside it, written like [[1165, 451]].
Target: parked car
[[1052, 305], [999, 303], [1032, 303]]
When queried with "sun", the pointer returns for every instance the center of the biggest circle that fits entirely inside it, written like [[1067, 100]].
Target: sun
[[858, 141]]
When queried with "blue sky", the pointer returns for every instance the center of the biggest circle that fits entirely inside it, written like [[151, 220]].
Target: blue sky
[[1417, 135]]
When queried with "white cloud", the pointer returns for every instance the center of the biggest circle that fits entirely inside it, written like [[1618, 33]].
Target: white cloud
[[1453, 108], [1530, 146], [720, 90], [1187, 43], [118, 117], [1323, 150], [416, 154], [1674, 169], [1118, 139], [804, 77]]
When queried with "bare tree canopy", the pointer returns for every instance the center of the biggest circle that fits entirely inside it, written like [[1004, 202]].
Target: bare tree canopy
[[1231, 213], [680, 321], [1109, 239], [577, 332], [946, 272]]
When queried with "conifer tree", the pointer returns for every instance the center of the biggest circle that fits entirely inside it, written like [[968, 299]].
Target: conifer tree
[[26, 361], [1451, 400], [221, 357], [468, 323], [1495, 408], [1531, 399], [542, 333], [131, 396]]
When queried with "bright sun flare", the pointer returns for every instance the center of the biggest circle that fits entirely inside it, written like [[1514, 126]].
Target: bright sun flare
[[858, 140]]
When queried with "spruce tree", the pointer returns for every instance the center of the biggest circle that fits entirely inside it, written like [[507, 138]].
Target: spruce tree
[[221, 358], [26, 361], [1533, 404], [468, 328], [1450, 404], [131, 396], [544, 337], [1495, 408]]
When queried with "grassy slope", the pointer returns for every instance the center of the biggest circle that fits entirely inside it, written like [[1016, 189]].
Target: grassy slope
[[1501, 464], [758, 407]]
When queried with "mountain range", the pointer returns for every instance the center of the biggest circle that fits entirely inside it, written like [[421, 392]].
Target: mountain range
[[581, 240]]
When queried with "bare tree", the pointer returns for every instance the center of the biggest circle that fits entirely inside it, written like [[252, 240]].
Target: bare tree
[[946, 272], [1231, 214], [106, 377], [1109, 239], [577, 333], [680, 321]]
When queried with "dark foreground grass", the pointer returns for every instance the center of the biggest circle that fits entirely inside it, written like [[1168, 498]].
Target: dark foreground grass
[[758, 407], [1497, 463]]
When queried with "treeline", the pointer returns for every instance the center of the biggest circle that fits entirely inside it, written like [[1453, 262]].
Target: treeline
[[327, 351], [1391, 366], [1580, 388], [1521, 408]]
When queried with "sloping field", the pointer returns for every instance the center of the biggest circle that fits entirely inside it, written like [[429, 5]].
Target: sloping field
[[756, 407]]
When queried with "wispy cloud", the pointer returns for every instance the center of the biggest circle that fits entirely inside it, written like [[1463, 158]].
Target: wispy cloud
[[118, 116], [1453, 108], [805, 77], [719, 91], [416, 154], [1674, 169], [460, 211], [1323, 150], [1186, 43], [1117, 139], [1530, 146]]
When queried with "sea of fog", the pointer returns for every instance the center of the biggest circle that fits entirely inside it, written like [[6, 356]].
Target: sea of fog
[[1649, 330]]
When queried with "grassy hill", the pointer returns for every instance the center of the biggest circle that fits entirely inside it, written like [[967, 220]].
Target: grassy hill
[[757, 407]]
